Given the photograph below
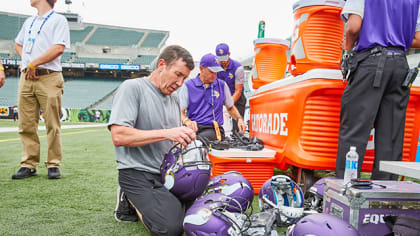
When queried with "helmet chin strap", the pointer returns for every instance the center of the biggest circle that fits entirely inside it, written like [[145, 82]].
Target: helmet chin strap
[[286, 211], [234, 219]]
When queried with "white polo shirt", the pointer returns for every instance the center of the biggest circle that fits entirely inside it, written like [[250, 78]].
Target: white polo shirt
[[54, 30]]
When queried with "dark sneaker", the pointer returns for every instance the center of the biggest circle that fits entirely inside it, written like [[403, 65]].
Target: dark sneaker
[[24, 172], [124, 211], [54, 173]]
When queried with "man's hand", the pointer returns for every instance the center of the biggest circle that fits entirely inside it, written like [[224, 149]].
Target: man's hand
[[30, 73], [241, 125], [343, 44], [192, 125], [182, 135]]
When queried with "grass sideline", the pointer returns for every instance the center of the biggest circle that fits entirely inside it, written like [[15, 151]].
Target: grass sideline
[[82, 202]]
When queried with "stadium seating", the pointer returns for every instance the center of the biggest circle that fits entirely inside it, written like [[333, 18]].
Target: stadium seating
[[106, 104], [144, 59], [115, 37], [79, 35], [88, 41], [78, 93], [4, 55], [84, 92], [10, 26], [67, 56], [86, 52], [14, 57], [101, 60], [153, 40]]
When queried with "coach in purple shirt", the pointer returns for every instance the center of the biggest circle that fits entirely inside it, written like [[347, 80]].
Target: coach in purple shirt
[[233, 74], [204, 98]]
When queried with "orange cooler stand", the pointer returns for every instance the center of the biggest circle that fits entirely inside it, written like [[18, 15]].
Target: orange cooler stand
[[317, 35], [270, 60], [299, 118], [256, 166]]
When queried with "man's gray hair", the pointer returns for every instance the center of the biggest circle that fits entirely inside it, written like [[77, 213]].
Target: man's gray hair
[[172, 53]]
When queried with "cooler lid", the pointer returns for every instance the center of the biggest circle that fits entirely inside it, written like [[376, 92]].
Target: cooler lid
[[272, 40], [235, 152], [311, 74], [307, 3]]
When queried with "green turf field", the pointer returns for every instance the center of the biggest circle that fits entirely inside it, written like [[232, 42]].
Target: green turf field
[[82, 202]]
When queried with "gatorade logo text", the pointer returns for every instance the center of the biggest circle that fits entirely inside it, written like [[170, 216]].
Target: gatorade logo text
[[271, 123]]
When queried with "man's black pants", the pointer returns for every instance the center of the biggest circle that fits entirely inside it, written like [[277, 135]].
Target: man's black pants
[[162, 212], [240, 105], [364, 106]]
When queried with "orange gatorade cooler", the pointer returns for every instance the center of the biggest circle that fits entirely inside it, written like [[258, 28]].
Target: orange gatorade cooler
[[299, 118], [255, 166], [317, 35], [270, 60]]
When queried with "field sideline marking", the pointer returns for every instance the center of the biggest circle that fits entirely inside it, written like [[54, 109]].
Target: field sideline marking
[[43, 136]]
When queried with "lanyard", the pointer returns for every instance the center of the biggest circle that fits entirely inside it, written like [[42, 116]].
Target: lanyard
[[42, 25], [212, 101]]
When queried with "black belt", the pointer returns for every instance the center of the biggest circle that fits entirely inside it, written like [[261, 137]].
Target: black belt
[[42, 71], [351, 61], [383, 52], [389, 54], [377, 49]]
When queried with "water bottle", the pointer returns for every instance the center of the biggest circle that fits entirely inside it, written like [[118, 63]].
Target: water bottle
[[261, 29], [352, 159]]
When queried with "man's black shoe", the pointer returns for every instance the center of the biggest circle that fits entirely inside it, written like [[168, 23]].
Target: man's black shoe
[[124, 211], [54, 173], [24, 172]]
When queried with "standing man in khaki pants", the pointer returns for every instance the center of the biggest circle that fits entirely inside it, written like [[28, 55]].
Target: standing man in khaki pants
[[40, 43]]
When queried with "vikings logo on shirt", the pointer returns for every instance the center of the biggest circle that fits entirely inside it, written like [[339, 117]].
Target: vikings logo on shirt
[[230, 76], [216, 94]]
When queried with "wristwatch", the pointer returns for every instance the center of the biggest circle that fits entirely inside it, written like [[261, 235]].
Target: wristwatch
[[185, 120]]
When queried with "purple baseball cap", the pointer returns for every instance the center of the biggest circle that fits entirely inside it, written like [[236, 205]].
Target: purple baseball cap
[[222, 51], [210, 61]]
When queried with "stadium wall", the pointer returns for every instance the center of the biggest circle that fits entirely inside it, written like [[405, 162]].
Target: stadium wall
[[67, 114]]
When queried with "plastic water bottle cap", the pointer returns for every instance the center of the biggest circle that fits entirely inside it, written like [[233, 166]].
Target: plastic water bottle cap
[[352, 148]]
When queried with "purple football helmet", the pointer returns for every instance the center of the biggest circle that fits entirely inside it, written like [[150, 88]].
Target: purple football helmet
[[280, 190], [208, 216], [186, 172], [321, 224], [234, 185], [316, 194]]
